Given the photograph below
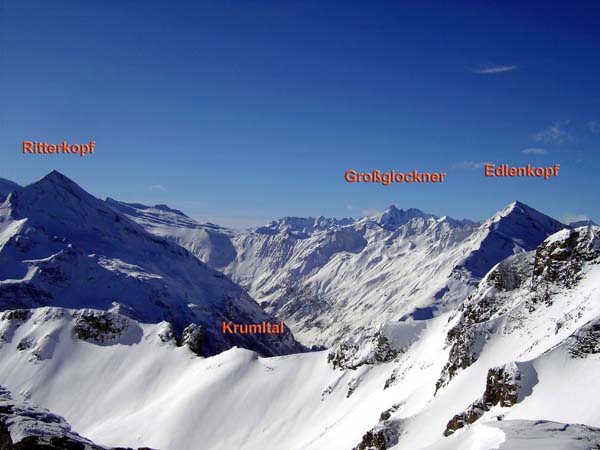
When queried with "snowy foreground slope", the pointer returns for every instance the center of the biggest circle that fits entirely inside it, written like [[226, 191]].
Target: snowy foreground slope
[[524, 347], [329, 278], [27, 427], [60, 246]]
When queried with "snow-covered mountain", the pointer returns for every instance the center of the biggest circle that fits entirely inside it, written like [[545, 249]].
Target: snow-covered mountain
[[443, 333], [6, 187], [60, 246], [515, 365], [329, 278], [209, 242]]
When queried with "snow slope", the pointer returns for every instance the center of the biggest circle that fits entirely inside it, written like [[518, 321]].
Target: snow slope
[[61, 246], [209, 242], [151, 392], [528, 353], [524, 435], [25, 427], [329, 278]]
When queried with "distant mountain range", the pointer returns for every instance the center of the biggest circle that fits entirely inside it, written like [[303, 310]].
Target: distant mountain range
[[441, 333], [327, 277]]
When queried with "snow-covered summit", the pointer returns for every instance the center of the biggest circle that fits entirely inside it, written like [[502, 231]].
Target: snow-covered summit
[[392, 217], [514, 229], [61, 246], [302, 226], [520, 211], [209, 242], [456, 348], [326, 277]]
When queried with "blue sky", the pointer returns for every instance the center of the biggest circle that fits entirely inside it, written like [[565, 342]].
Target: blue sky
[[242, 112]]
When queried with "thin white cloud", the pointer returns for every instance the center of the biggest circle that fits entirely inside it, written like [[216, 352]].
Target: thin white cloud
[[594, 126], [554, 134], [157, 187], [491, 69], [570, 218], [469, 165], [370, 211], [534, 151]]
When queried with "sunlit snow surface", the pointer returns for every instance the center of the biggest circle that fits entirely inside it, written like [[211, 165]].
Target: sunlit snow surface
[[328, 278], [536, 314], [153, 393]]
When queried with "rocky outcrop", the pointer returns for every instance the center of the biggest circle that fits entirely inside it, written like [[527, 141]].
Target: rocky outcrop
[[193, 336], [532, 278], [365, 349], [491, 300], [586, 341], [104, 327], [24, 427], [559, 260], [373, 441], [28, 427], [10, 321], [504, 387], [382, 437]]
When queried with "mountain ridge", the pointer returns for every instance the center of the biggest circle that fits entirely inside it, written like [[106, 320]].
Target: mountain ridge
[[61, 246], [531, 332], [293, 265]]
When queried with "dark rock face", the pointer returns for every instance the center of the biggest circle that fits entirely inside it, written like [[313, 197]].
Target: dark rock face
[[129, 448], [10, 321], [384, 435], [345, 355], [373, 441], [502, 388], [38, 428], [19, 315], [462, 352], [489, 302], [558, 263], [193, 336], [105, 327], [586, 342], [381, 437]]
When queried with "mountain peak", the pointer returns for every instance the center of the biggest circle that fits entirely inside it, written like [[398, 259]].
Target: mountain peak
[[55, 175], [302, 224], [57, 203], [515, 206], [58, 180], [518, 208], [392, 217], [514, 229]]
